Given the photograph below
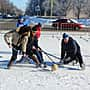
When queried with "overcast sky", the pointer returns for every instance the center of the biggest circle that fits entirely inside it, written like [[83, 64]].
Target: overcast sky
[[21, 4]]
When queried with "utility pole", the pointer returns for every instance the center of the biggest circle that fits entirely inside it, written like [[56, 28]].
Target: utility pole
[[51, 7]]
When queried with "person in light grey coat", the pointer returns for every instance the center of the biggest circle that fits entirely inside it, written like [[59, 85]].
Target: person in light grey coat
[[17, 40]]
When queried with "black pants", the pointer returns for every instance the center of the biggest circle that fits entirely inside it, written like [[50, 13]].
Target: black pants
[[13, 57], [74, 57]]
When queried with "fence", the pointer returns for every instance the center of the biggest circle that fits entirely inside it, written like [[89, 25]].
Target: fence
[[67, 27], [8, 25]]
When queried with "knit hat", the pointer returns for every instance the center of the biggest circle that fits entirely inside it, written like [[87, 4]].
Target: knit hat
[[65, 35], [39, 24]]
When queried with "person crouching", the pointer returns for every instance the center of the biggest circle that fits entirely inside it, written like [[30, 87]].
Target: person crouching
[[70, 50]]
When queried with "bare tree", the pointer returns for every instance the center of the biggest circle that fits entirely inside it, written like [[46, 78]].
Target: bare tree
[[79, 6], [87, 8], [46, 6], [33, 7], [6, 7], [2, 6], [59, 7], [62, 7]]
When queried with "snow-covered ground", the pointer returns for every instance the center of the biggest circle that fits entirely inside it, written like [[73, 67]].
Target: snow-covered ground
[[27, 77]]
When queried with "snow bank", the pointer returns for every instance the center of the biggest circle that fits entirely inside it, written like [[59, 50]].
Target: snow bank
[[27, 77]]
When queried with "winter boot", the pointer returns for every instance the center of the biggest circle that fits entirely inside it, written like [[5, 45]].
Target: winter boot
[[82, 66], [10, 62], [45, 65], [38, 65]]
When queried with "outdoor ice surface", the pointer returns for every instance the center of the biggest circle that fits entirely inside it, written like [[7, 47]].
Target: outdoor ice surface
[[27, 77]]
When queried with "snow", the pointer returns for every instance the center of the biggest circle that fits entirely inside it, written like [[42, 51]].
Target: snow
[[27, 77], [85, 22], [36, 20]]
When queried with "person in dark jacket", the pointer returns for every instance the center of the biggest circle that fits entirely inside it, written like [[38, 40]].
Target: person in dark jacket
[[33, 48], [70, 51]]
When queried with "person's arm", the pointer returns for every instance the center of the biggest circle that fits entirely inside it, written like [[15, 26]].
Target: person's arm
[[7, 38], [73, 50]]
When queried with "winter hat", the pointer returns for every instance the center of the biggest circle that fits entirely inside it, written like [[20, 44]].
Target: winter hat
[[65, 36], [39, 24]]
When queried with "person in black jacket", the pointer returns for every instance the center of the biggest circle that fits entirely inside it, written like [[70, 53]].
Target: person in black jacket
[[33, 48], [70, 51]]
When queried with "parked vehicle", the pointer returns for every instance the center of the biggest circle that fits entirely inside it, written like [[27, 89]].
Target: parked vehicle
[[67, 24], [8, 16], [1, 16]]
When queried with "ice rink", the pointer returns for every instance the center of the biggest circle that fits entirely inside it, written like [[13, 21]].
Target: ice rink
[[27, 77]]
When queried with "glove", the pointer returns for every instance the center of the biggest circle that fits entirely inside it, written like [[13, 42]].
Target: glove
[[9, 45], [61, 62], [33, 48], [68, 58]]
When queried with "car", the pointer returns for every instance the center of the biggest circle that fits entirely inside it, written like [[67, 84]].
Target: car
[[67, 24], [1, 16], [8, 16]]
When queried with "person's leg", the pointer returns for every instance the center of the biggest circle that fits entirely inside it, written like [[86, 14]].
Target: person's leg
[[69, 59], [42, 60], [82, 65], [13, 57], [36, 61], [76, 60], [31, 55], [22, 60], [39, 56], [80, 59]]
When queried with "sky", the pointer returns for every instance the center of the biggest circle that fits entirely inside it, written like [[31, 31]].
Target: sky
[[21, 4]]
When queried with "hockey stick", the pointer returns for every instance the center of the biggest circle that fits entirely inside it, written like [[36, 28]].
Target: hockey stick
[[49, 57], [84, 39], [54, 66], [51, 54]]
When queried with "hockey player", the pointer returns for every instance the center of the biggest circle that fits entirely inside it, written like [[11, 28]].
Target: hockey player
[[70, 50], [37, 28], [19, 42], [37, 50], [33, 48], [20, 23]]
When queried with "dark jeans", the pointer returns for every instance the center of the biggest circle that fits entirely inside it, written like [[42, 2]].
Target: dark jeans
[[77, 56], [39, 55]]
